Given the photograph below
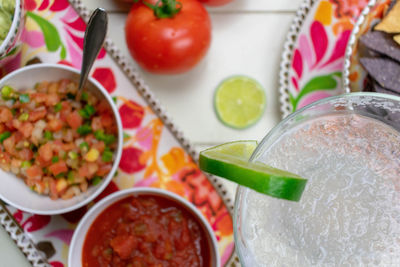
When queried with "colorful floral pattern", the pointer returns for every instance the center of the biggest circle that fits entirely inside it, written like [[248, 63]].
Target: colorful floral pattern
[[318, 53], [151, 155]]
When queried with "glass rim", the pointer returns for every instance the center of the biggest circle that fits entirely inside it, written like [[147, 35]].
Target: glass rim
[[241, 189]]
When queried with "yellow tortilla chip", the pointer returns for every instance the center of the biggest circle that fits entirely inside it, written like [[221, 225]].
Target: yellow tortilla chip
[[391, 22], [396, 38]]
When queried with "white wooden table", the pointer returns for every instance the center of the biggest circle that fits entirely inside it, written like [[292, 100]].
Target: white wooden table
[[247, 38]]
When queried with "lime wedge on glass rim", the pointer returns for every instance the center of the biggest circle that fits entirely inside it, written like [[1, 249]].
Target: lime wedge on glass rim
[[239, 101], [231, 161]]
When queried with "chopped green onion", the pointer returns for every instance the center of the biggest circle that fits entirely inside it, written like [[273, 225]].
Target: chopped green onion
[[24, 117], [14, 111], [60, 175], [71, 177], [84, 129], [84, 146], [87, 111], [96, 180], [48, 135], [107, 156], [115, 99], [99, 134], [26, 164], [83, 114], [6, 92], [70, 96], [57, 107], [24, 98], [55, 159], [84, 96], [4, 136], [106, 138], [45, 170], [72, 155]]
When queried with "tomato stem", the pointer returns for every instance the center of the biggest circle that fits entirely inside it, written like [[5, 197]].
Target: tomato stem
[[165, 8]]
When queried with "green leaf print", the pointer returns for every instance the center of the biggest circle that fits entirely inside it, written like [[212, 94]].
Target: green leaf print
[[324, 82], [50, 33]]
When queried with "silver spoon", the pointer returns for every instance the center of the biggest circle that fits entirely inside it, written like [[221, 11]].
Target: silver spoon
[[95, 34]]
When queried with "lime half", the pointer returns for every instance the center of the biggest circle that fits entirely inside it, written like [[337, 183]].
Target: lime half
[[239, 101], [231, 161]]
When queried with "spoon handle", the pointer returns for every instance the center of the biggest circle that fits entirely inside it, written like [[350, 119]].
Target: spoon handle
[[95, 35]]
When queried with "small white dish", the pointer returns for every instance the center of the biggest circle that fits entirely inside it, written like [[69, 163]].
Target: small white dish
[[78, 239], [13, 190]]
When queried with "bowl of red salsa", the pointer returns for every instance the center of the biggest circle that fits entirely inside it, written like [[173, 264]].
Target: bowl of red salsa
[[57, 152], [143, 227]]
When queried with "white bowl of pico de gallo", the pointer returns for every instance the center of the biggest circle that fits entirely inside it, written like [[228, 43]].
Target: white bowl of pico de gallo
[[57, 153]]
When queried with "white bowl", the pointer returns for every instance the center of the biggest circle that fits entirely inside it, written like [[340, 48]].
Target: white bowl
[[12, 189], [78, 239], [14, 32]]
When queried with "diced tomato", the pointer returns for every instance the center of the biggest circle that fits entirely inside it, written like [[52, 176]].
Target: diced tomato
[[58, 167], [4, 158], [90, 138], [55, 125], [66, 109], [52, 99], [39, 97], [25, 154], [26, 129], [92, 169], [53, 189], [5, 114], [34, 172], [42, 86], [68, 146], [16, 123], [83, 171], [46, 151], [42, 162], [100, 146], [107, 119], [74, 120], [104, 169], [103, 106], [124, 245], [9, 144], [53, 88], [37, 114], [96, 124], [18, 136]]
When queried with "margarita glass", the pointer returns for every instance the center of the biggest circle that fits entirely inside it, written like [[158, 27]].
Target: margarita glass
[[348, 147]]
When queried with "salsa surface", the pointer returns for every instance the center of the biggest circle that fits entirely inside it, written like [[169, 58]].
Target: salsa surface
[[145, 231]]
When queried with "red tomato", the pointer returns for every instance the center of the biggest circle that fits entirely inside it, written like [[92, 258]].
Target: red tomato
[[168, 45], [215, 2]]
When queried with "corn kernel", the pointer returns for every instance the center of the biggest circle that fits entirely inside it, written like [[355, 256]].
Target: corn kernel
[[92, 155], [26, 143], [61, 184]]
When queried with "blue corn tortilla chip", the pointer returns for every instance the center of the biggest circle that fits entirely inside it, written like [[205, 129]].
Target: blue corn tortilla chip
[[371, 85], [382, 43], [384, 71]]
